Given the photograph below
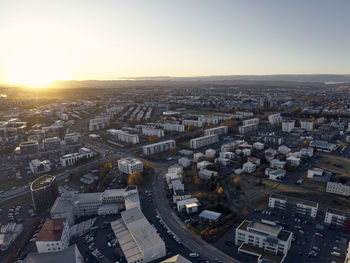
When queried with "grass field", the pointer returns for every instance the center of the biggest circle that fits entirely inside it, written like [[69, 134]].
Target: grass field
[[336, 164]]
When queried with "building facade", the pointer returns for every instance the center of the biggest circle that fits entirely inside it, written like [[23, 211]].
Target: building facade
[[204, 141], [130, 165], [158, 147]]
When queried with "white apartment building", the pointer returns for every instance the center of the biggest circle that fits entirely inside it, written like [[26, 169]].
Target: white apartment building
[[174, 127], [184, 162], [149, 131], [206, 174], [53, 236], [209, 119], [99, 124], [72, 206], [314, 172], [218, 130], [248, 128], [263, 239], [258, 146], [338, 189], [123, 136], [307, 125], [181, 205], [72, 158], [275, 163], [323, 146], [288, 126], [275, 118], [250, 121], [249, 167], [194, 123], [293, 160], [275, 174], [138, 240], [336, 218], [293, 206], [204, 141], [130, 165], [158, 147]]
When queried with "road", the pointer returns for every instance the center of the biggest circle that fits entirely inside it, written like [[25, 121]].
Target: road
[[189, 239]]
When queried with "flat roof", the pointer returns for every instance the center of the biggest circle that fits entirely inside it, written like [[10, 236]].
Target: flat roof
[[338, 212], [295, 200], [210, 214], [277, 258], [264, 227], [42, 182], [52, 230]]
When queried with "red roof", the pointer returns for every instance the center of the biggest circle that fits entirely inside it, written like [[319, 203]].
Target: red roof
[[51, 230]]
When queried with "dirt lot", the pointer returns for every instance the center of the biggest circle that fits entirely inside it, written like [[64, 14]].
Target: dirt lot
[[336, 164]]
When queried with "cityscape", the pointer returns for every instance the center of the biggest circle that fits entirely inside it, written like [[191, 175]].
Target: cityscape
[[168, 165]]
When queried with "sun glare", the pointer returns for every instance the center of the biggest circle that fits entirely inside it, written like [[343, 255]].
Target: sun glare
[[35, 67]]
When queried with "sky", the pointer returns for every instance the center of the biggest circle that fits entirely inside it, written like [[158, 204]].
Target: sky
[[44, 40]]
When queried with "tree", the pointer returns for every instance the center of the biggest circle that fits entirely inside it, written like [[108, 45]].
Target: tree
[[173, 150], [196, 180], [190, 128], [107, 167], [135, 178], [220, 190], [236, 181], [153, 138]]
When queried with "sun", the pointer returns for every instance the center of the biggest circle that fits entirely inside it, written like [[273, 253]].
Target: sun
[[35, 67]]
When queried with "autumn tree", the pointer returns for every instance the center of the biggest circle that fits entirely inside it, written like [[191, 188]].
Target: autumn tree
[[153, 138], [135, 178], [190, 128], [236, 182], [220, 190], [173, 150]]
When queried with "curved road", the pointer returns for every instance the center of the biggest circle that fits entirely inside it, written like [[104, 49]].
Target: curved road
[[189, 239]]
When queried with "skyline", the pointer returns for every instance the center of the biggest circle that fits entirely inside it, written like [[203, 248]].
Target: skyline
[[115, 40]]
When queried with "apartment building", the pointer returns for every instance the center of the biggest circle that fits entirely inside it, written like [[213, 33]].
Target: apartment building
[[29, 148], [194, 123], [248, 128], [99, 124], [250, 121], [288, 126], [149, 131], [293, 206], [307, 125], [323, 146], [158, 147], [123, 136], [217, 130], [71, 139], [52, 144], [72, 158], [338, 188], [249, 167], [275, 118], [111, 201], [174, 127], [337, 218], [130, 165], [204, 141], [264, 239], [53, 236]]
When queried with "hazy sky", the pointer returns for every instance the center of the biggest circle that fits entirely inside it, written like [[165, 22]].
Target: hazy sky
[[42, 40]]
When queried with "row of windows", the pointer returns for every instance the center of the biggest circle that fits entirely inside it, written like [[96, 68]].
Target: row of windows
[[52, 244]]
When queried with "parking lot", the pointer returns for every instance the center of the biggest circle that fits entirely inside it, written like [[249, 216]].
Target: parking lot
[[309, 243]]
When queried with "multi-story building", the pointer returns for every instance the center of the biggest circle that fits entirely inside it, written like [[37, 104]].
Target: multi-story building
[[204, 141], [29, 148], [288, 126], [193, 123], [149, 131], [264, 239], [307, 125], [249, 167], [248, 128], [217, 130], [293, 206], [137, 238], [52, 144], [130, 165], [275, 118], [53, 236], [273, 139], [8, 135], [37, 167], [70, 254], [174, 127], [72, 158], [337, 218], [44, 191], [338, 188], [250, 121], [72, 139], [123, 136], [158, 147], [323, 146], [111, 201], [99, 124]]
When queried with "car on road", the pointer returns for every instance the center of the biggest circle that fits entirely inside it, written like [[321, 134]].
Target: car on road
[[193, 255]]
